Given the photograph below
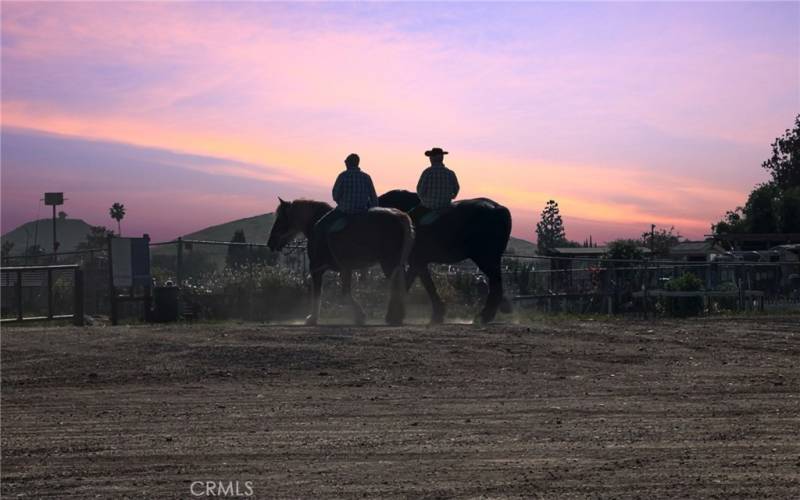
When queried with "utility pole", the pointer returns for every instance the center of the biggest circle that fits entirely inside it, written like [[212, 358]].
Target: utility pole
[[54, 200]]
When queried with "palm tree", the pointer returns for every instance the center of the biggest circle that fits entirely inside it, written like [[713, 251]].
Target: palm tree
[[117, 212]]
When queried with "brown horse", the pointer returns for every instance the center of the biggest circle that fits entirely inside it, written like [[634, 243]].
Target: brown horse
[[381, 235], [476, 229]]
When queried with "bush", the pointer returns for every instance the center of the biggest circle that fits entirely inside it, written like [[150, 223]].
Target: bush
[[684, 306], [252, 291]]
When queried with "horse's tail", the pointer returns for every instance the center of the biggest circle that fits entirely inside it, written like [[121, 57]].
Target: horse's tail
[[397, 305], [399, 273], [505, 234], [408, 239]]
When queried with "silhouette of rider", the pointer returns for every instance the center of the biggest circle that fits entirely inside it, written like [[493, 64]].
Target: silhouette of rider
[[353, 193], [437, 185]]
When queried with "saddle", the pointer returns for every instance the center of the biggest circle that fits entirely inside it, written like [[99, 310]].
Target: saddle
[[424, 216]]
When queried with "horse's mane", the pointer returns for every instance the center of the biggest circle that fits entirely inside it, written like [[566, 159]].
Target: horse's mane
[[313, 203]]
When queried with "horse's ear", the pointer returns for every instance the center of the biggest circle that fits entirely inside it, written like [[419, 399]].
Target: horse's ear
[[280, 200]]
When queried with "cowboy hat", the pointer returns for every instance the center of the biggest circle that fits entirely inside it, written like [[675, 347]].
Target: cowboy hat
[[435, 151]]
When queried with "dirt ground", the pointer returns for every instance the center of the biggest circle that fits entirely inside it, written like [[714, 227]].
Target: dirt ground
[[704, 408]]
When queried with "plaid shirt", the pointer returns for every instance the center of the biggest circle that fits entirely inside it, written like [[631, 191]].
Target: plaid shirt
[[437, 186], [354, 192]]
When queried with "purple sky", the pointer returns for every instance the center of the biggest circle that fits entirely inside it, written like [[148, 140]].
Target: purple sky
[[193, 114]]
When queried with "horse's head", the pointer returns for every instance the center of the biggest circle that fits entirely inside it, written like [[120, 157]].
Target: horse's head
[[400, 199], [283, 230]]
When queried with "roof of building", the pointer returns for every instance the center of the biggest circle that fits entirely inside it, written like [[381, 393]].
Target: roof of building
[[581, 251], [696, 247]]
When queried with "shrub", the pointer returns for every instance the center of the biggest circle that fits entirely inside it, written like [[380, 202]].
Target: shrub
[[684, 306]]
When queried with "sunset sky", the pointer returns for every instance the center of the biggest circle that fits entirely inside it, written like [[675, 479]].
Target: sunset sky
[[194, 114]]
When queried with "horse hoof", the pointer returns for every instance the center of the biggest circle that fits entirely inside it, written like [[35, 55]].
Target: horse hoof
[[311, 321], [485, 318]]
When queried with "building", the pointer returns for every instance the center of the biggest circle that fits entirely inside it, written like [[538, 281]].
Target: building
[[696, 251]]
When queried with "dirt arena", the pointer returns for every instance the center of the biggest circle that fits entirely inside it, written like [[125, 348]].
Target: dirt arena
[[554, 409]]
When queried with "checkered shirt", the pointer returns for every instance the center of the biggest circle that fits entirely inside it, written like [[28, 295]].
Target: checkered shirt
[[437, 186], [354, 192]]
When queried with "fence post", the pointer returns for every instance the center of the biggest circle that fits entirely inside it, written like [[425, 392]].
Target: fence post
[[50, 293], [179, 264], [112, 292], [19, 295], [77, 319]]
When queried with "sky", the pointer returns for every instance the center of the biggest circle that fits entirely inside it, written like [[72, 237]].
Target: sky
[[196, 113]]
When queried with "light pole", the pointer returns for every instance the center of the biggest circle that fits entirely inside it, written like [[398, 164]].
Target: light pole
[[54, 200]]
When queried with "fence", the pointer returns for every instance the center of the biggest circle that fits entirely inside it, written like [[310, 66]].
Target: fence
[[219, 279], [48, 292], [650, 286]]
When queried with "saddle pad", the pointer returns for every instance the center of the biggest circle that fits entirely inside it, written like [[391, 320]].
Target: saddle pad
[[338, 225], [429, 218]]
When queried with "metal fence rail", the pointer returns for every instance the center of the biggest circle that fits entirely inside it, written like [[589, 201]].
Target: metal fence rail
[[550, 283]]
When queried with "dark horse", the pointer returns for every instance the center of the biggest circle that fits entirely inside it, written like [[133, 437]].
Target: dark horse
[[380, 235], [471, 229]]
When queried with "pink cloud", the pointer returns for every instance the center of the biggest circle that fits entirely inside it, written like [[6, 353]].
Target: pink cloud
[[664, 119]]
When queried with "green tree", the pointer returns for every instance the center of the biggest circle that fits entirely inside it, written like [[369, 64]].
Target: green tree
[[660, 240], [784, 165], [789, 210], [772, 206], [732, 222], [760, 211], [625, 249], [550, 229], [238, 255], [96, 239], [117, 212]]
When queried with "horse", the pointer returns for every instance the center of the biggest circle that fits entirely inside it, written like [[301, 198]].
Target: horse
[[379, 235], [476, 229]]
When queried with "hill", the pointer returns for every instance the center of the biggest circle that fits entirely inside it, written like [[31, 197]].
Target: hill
[[256, 229], [69, 232], [519, 246]]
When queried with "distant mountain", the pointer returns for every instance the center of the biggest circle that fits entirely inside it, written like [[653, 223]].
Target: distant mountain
[[519, 246], [69, 232], [256, 229]]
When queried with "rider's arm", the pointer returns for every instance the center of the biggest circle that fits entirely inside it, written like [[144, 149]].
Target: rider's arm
[[422, 185], [373, 196], [456, 187], [337, 189]]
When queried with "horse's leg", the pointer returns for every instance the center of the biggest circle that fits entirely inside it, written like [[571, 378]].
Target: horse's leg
[[347, 291], [396, 311], [411, 275], [492, 270], [316, 296], [437, 305]]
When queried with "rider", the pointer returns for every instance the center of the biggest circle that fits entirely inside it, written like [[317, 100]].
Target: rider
[[353, 193], [437, 185]]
